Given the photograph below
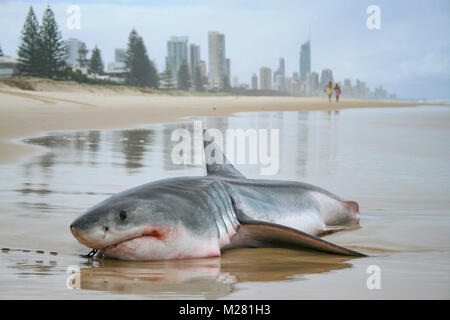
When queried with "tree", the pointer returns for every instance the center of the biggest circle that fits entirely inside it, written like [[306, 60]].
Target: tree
[[184, 82], [96, 63], [29, 57], [167, 81], [142, 71], [51, 47], [226, 84], [199, 82], [1, 52], [83, 61]]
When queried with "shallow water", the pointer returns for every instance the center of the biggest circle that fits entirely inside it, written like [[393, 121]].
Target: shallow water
[[394, 162]]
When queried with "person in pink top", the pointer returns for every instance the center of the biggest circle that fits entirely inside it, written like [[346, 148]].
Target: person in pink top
[[337, 92]]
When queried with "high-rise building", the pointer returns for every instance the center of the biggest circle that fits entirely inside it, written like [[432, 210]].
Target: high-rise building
[[280, 70], [326, 76], [254, 82], [120, 55], [235, 81], [315, 81], [73, 46], [228, 69], [265, 78], [119, 64], [216, 58], [305, 60], [279, 78], [203, 68], [194, 60], [177, 52]]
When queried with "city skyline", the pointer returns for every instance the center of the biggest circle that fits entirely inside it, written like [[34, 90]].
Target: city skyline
[[418, 67]]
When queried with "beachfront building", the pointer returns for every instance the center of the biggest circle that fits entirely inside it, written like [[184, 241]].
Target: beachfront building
[[326, 76], [254, 82], [235, 81], [228, 68], [293, 85], [203, 69], [117, 70], [265, 78], [73, 47], [310, 86], [279, 78], [8, 66], [194, 60], [119, 63], [177, 52], [216, 58], [305, 60]]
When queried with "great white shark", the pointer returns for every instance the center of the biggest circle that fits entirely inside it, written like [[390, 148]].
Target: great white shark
[[196, 217]]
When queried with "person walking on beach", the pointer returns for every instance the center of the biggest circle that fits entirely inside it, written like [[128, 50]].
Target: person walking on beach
[[329, 90], [337, 92]]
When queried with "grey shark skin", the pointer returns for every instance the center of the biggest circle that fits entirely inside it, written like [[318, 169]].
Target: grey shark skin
[[195, 217]]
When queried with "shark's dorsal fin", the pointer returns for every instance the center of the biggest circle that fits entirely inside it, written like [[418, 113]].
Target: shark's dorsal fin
[[217, 163]]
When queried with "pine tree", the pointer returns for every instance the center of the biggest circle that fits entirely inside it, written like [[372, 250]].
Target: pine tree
[[1, 52], [142, 71], [82, 60], [167, 81], [96, 63], [29, 57], [226, 84], [51, 46], [184, 82], [199, 82]]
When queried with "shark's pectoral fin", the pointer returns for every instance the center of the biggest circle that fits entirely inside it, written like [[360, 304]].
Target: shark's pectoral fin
[[261, 234], [332, 229]]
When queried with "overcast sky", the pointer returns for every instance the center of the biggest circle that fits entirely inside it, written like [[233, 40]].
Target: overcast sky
[[409, 55]]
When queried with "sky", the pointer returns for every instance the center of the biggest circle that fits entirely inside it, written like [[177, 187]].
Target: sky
[[408, 55]]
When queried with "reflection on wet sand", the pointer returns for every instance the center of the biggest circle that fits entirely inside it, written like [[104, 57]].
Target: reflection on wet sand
[[209, 278], [404, 208]]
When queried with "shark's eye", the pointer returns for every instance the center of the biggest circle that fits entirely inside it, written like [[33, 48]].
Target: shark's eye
[[122, 215]]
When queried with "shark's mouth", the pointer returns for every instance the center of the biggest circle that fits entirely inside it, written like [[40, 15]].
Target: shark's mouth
[[154, 234]]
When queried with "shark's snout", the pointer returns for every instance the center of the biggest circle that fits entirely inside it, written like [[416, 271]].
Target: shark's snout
[[88, 230]]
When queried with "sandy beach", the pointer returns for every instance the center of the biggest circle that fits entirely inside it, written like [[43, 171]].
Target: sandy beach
[[67, 147], [71, 106]]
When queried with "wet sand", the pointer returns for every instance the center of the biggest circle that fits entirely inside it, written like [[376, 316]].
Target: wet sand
[[27, 113], [393, 161]]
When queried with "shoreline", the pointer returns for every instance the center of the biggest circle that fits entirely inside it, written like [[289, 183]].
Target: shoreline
[[29, 113]]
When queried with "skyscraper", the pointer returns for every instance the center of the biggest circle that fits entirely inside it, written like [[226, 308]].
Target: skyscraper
[[119, 64], [217, 61], [120, 55], [280, 70], [279, 78], [325, 77], [203, 68], [265, 78], [194, 59], [305, 60], [177, 52], [254, 82], [72, 46]]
